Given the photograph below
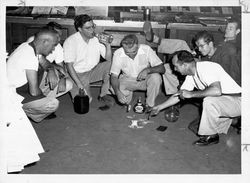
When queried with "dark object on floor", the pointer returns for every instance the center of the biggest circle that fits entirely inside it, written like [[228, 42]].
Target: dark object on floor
[[104, 108], [81, 102], [206, 140], [107, 99], [237, 125], [161, 128], [108, 102], [51, 116], [172, 113], [194, 125]]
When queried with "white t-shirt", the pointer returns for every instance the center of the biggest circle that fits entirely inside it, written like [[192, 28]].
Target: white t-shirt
[[208, 73], [84, 56], [145, 57], [56, 55], [23, 58]]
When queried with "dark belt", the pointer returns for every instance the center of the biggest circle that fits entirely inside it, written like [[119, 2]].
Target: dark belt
[[232, 94]]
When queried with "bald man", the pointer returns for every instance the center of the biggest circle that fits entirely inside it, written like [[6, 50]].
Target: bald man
[[22, 73]]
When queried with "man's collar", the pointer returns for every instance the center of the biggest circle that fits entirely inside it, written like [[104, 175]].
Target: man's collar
[[140, 52]]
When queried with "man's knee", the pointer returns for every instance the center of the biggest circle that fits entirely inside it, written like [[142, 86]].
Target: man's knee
[[69, 84], [155, 79], [52, 105], [209, 102]]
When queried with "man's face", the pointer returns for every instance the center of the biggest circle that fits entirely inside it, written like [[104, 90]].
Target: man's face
[[181, 68], [231, 30], [131, 51], [50, 44], [88, 30], [204, 48]]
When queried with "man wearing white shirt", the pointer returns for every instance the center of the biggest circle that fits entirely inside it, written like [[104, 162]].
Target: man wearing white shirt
[[55, 58], [222, 95], [136, 67], [22, 70], [82, 52]]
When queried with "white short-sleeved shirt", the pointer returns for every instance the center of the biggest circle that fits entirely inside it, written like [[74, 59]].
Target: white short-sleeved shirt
[[23, 58], [56, 55], [84, 56], [208, 73], [145, 57]]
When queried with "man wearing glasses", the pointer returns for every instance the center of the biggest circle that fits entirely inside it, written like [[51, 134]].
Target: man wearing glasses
[[82, 51], [224, 54]]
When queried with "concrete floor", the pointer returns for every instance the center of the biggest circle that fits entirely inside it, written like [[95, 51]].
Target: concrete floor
[[100, 142]]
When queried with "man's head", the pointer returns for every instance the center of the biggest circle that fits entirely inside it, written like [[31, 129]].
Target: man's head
[[232, 29], [130, 45], [45, 41], [205, 42], [183, 62], [85, 25], [55, 26]]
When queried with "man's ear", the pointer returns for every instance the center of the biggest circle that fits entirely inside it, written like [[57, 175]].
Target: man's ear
[[237, 31], [211, 44], [79, 29]]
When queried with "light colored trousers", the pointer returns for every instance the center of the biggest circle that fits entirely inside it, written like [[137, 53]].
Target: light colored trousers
[[151, 84], [99, 73], [217, 114], [39, 109], [169, 46]]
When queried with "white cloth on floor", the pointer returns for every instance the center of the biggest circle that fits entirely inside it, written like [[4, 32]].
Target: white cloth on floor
[[21, 145]]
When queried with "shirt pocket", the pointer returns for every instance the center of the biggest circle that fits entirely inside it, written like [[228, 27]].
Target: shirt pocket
[[143, 61]]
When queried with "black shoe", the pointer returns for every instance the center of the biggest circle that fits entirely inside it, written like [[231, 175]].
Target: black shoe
[[51, 116], [237, 125], [107, 99], [104, 108], [206, 140], [108, 102]]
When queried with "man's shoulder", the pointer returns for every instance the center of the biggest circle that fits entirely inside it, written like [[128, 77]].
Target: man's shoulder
[[227, 47], [207, 65], [119, 51], [144, 47], [72, 37]]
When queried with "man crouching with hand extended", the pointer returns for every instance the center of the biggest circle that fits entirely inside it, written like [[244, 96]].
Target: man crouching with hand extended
[[222, 95], [136, 67]]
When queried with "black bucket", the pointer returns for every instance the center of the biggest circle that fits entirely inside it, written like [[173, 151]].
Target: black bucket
[[81, 102]]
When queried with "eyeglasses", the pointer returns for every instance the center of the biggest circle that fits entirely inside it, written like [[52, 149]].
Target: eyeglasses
[[201, 46], [90, 27]]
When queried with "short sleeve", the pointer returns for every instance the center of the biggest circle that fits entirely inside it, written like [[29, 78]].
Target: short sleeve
[[116, 65], [102, 49], [154, 60], [188, 84], [69, 51], [56, 55]]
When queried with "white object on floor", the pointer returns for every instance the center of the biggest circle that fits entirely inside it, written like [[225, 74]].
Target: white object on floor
[[21, 145]]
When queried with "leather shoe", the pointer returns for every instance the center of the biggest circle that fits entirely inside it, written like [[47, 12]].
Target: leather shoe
[[107, 100], [206, 140], [237, 125], [51, 116]]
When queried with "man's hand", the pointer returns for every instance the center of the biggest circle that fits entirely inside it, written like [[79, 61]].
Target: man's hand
[[60, 69], [61, 85], [51, 79], [143, 74], [155, 110], [185, 94], [122, 98]]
